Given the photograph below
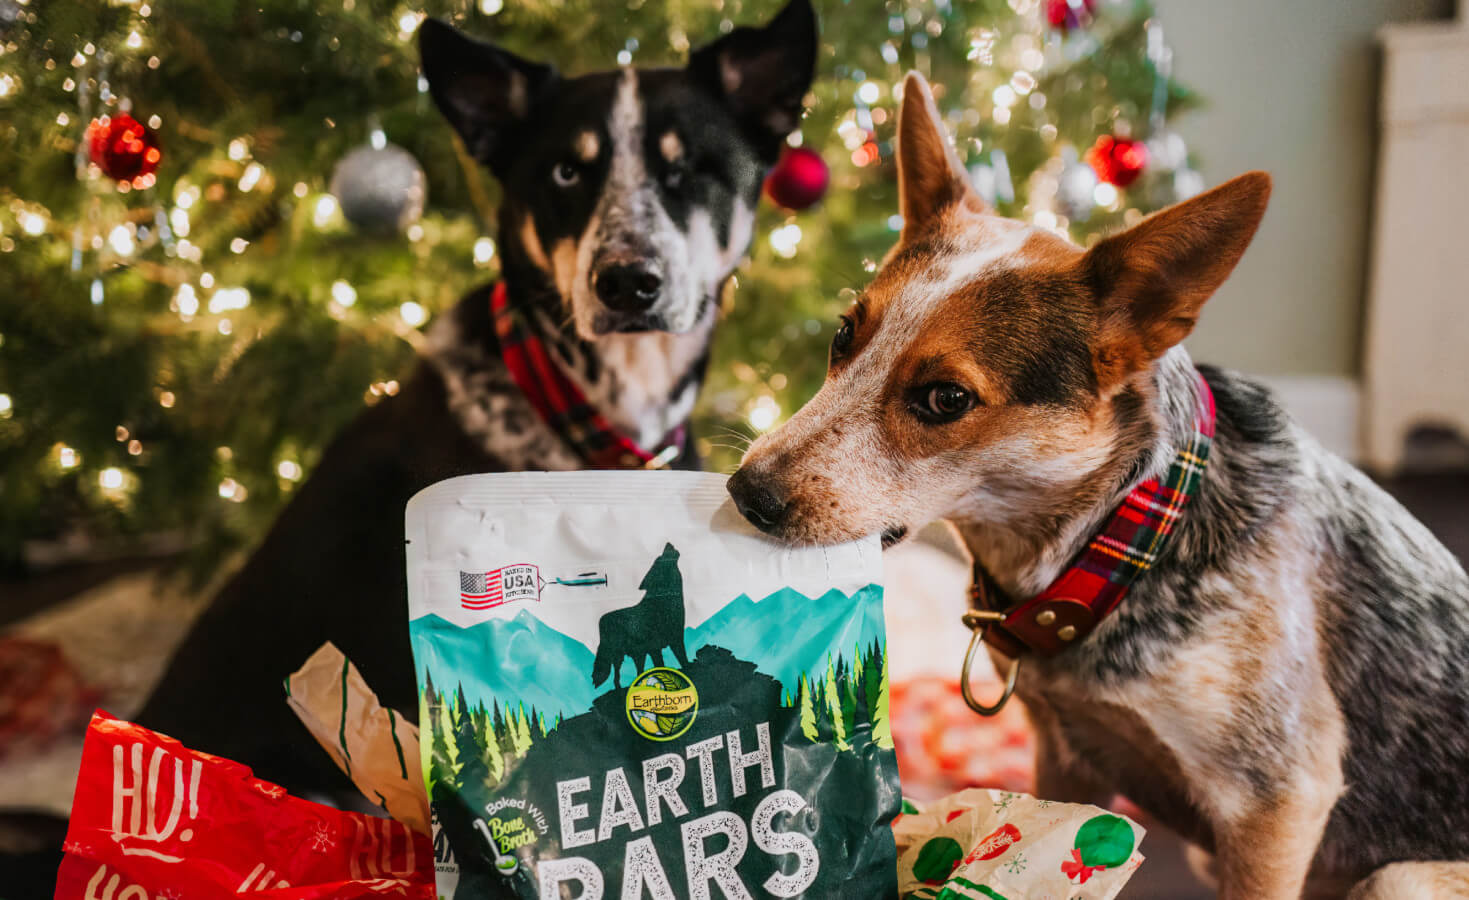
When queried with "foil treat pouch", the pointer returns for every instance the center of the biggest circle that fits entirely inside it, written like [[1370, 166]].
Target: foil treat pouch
[[627, 691]]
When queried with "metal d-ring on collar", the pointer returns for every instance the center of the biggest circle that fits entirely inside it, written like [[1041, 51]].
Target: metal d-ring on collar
[[978, 621], [985, 600]]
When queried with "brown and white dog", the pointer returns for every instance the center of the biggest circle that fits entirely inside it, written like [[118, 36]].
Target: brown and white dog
[[1287, 686]]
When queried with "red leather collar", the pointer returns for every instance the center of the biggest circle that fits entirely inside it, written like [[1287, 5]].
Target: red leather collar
[[1132, 540]]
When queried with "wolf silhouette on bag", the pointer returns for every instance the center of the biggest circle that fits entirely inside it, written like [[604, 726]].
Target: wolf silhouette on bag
[[645, 630]]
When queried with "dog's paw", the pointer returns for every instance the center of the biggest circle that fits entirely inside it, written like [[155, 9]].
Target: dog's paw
[[1415, 881]]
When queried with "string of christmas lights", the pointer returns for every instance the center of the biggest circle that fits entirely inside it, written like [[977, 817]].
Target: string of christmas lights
[[226, 234]]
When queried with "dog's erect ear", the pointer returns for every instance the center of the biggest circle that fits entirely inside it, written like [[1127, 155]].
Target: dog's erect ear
[[762, 74], [930, 176], [1151, 280], [481, 89]]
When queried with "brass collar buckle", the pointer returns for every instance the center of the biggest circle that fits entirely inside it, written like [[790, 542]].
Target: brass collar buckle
[[978, 622]]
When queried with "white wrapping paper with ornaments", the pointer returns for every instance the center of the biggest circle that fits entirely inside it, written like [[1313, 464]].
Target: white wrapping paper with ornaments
[[996, 845]]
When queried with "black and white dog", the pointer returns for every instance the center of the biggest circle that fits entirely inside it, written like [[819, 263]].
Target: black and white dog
[[629, 196]]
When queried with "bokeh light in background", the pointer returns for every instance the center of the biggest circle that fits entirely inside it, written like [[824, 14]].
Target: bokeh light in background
[[231, 300]]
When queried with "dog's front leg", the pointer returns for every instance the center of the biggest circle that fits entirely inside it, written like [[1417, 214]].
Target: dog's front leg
[[1266, 852]]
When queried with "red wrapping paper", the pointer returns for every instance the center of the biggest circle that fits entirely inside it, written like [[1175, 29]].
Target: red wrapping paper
[[153, 820]]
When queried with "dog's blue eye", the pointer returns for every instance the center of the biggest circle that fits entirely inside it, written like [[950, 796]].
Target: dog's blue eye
[[943, 402], [566, 175]]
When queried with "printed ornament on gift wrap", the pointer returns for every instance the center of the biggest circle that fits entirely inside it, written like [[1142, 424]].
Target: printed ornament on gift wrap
[[1102, 842], [125, 149], [937, 860], [997, 845], [380, 189]]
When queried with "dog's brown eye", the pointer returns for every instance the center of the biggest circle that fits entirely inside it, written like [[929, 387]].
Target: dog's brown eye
[[943, 402], [841, 342], [566, 174]]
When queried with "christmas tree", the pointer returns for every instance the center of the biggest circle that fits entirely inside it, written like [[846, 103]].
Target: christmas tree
[[223, 226]]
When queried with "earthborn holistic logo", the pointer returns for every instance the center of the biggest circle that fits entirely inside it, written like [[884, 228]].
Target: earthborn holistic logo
[[662, 704]]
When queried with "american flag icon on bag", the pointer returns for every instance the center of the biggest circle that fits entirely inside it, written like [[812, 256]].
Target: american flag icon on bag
[[507, 584]]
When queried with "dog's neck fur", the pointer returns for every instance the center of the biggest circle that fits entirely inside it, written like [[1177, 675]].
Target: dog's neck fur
[[1025, 553]]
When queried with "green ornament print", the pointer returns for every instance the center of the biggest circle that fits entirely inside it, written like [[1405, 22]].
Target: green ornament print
[[1105, 841], [937, 859]]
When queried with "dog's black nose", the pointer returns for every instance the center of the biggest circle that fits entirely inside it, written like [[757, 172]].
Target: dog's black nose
[[628, 287], [757, 500]]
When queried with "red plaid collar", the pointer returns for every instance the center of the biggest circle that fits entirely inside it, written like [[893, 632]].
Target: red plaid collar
[[561, 404], [1130, 542]]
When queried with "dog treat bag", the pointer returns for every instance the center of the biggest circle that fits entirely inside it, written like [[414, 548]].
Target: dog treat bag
[[626, 691]]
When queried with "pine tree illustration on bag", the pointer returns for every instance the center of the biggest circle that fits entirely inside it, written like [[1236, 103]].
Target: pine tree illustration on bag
[[628, 691]]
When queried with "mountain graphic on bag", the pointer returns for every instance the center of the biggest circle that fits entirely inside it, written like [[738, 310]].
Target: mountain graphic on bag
[[628, 692]]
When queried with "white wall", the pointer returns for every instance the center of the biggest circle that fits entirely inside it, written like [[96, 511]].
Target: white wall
[[1290, 86]]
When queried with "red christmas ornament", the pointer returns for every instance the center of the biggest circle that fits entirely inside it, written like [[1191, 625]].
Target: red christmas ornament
[[1069, 14], [799, 180], [124, 149], [1117, 160]]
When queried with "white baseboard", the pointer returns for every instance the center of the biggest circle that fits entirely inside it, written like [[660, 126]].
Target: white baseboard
[[1328, 406]]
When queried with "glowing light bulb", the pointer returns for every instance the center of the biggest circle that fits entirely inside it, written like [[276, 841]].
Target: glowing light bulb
[[226, 299], [186, 301], [110, 478], [343, 293], [121, 241], [325, 211], [230, 489], [408, 24], [763, 413], [484, 251], [785, 239], [251, 177], [413, 314]]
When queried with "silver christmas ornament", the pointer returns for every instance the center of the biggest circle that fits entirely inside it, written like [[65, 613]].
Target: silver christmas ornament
[[380, 188]]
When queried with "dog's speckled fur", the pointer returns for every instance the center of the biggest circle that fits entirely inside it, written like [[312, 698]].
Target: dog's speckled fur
[[1289, 686]]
